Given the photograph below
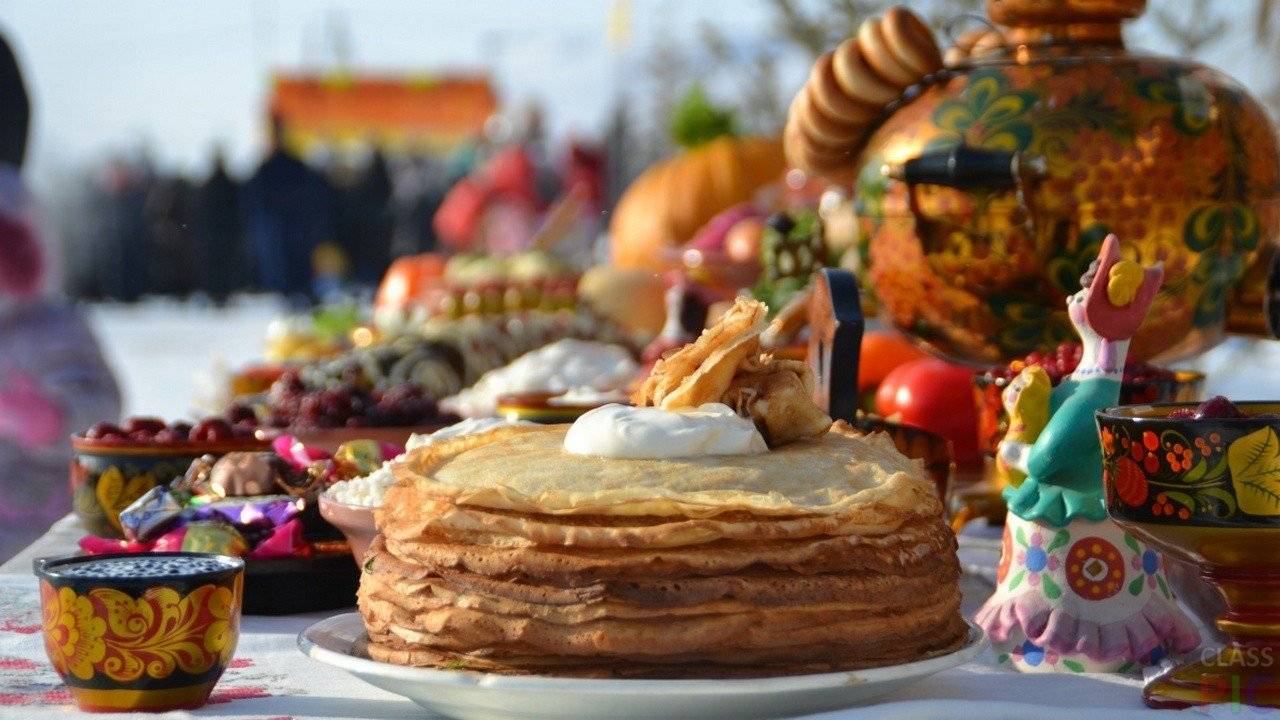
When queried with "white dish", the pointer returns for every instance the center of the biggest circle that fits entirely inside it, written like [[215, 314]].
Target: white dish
[[468, 695]]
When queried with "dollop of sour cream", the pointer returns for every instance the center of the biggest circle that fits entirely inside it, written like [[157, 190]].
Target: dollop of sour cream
[[622, 431]]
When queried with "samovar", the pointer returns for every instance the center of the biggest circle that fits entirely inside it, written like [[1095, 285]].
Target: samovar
[[985, 192]]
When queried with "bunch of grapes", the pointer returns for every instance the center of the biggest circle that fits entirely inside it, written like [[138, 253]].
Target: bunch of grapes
[[1063, 361], [291, 403]]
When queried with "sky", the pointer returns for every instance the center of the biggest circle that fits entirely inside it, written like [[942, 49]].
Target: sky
[[181, 77]]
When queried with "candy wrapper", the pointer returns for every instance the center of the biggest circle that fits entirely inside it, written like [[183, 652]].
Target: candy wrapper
[[150, 515], [358, 457], [262, 511], [295, 453], [214, 536], [284, 541], [247, 474], [196, 480]]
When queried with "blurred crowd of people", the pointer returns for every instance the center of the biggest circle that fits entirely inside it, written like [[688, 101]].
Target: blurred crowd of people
[[308, 229], [288, 227]]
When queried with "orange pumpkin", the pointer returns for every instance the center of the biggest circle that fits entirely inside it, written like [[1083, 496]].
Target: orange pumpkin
[[667, 204]]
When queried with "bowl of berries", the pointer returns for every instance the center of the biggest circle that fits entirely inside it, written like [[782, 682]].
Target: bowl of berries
[[327, 412], [1202, 483], [113, 465], [1143, 383]]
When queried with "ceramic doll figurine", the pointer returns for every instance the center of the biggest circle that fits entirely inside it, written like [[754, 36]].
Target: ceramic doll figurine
[[1074, 592], [1026, 401]]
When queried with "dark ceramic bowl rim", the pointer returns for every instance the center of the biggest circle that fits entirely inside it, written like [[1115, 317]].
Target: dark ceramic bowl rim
[[45, 568], [1125, 413]]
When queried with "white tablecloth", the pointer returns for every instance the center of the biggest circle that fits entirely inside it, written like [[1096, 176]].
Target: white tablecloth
[[271, 679]]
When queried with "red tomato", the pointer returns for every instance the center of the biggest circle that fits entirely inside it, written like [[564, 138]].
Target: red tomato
[[882, 351], [938, 396]]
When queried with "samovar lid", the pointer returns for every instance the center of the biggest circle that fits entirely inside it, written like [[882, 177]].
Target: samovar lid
[[1024, 13]]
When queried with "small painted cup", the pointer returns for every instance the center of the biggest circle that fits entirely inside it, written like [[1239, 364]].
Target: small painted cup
[[146, 632]]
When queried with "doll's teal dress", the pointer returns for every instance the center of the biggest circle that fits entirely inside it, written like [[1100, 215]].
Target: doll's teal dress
[[1064, 466]]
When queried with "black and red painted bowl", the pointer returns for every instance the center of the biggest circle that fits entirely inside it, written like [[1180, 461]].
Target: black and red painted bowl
[[1180, 471], [147, 632]]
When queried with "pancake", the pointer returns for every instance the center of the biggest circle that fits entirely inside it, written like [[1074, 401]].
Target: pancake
[[860, 476], [502, 553]]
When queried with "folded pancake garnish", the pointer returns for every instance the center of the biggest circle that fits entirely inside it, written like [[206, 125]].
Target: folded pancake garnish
[[725, 365], [501, 552]]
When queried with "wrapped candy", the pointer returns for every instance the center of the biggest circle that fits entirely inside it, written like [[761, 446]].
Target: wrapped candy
[[262, 511], [295, 453], [170, 541], [214, 536], [245, 474], [358, 457], [150, 514], [283, 541], [196, 480]]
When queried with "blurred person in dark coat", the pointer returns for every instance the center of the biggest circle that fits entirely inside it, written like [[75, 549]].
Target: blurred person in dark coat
[[53, 380], [287, 211], [371, 253], [220, 233], [170, 211]]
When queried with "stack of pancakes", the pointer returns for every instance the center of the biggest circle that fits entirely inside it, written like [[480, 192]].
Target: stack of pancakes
[[501, 552]]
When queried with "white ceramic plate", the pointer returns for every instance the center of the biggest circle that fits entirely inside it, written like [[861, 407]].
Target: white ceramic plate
[[472, 695]]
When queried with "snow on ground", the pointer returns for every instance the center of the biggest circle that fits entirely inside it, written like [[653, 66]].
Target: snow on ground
[[165, 352]]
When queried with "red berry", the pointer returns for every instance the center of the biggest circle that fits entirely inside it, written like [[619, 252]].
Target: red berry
[[104, 431], [1218, 407], [212, 430], [142, 437], [169, 435], [150, 425]]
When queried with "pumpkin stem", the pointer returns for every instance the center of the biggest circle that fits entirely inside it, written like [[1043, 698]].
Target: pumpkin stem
[[697, 121]]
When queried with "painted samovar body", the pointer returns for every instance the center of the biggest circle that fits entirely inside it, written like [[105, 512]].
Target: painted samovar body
[[982, 199]]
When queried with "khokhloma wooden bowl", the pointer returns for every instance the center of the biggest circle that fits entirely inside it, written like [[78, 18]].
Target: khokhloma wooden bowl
[[145, 632], [1207, 491]]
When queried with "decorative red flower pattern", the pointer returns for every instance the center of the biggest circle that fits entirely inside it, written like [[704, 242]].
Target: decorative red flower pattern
[[1095, 570], [1130, 483]]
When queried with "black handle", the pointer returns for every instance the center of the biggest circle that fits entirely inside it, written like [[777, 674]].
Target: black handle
[[967, 168], [835, 341]]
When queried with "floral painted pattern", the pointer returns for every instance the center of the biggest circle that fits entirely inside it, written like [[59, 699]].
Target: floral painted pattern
[[1176, 162], [1173, 474], [1095, 570], [109, 632], [1036, 561], [1147, 565]]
